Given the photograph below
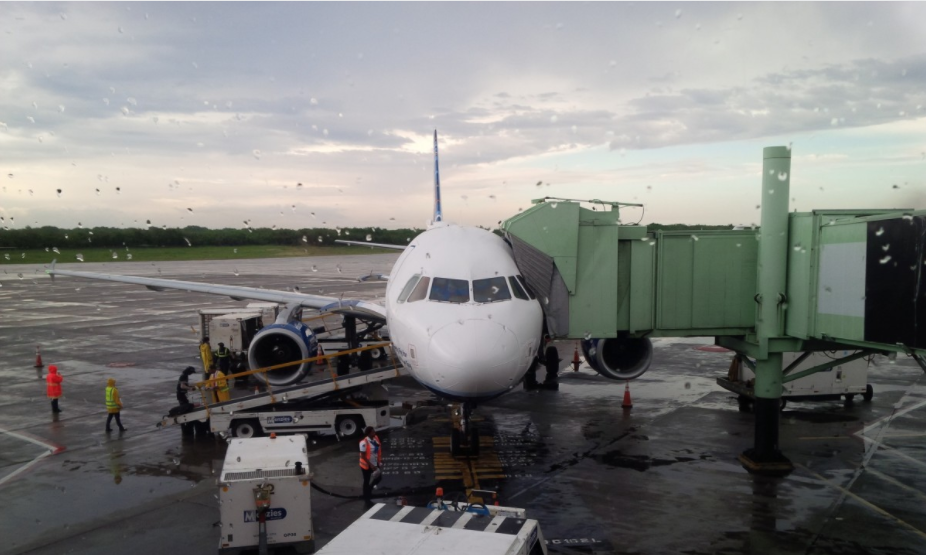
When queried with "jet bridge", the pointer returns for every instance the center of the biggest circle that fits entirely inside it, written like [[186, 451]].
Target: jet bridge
[[813, 281]]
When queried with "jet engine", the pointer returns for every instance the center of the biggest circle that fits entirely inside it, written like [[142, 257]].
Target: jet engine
[[622, 358], [281, 343]]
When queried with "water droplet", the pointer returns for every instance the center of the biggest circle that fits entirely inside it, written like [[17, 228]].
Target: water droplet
[[128, 256], [339, 268], [319, 238], [188, 243], [885, 260], [115, 255], [314, 268], [878, 233], [118, 190], [20, 276], [80, 257], [771, 191], [694, 238], [59, 193], [886, 247], [908, 217], [189, 209], [55, 250], [256, 154], [65, 235], [782, 176], [895, 186], [6, 256], [369, 237]]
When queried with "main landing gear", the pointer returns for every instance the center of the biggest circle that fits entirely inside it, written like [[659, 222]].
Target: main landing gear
[[464, 439]]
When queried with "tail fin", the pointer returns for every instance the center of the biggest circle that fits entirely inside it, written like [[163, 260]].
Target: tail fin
[[438, 213]]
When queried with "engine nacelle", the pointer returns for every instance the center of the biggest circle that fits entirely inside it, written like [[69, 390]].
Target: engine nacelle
[[622, 358], [279, 344]]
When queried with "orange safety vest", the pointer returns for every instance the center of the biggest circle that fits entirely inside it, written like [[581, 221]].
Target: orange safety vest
[[367, 451]]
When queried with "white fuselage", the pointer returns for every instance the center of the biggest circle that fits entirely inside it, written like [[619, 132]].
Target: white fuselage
[[468, 332]]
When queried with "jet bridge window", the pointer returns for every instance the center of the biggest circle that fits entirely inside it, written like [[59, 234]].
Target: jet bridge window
[[407, 290], [450, 290], [516, 287], [490, 290], [420, 291]]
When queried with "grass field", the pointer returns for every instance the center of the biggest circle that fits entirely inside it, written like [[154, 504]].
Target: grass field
[[156, 254]]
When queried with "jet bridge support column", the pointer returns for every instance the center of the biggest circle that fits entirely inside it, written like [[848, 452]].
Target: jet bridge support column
[[766, 457]]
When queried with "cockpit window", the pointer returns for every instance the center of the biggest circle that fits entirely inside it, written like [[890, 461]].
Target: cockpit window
[[526, 287], [516, 287], [421, 290], [407, 290], [490, 290], [450, 290]]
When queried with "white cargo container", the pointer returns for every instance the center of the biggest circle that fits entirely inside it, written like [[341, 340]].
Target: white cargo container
[[280, 464]]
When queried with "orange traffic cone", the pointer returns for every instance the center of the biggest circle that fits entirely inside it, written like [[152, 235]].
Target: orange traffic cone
[[575, 359], [38, 358], [627, 404]]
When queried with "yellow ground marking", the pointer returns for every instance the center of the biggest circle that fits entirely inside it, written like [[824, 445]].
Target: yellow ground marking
[[487, 466]]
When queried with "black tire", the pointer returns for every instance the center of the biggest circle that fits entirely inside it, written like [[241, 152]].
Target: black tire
[[247, 428], [343, 365], [366, 360], [551, 364], [349, 426], [869, 393], [474, 441], [455, 443]]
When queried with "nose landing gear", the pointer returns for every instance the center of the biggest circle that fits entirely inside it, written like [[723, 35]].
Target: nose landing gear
[[464, 439]]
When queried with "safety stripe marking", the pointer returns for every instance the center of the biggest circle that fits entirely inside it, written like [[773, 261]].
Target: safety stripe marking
[[53, 449]]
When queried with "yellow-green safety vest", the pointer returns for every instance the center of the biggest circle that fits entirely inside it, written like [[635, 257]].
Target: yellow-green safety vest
[[110, 401]]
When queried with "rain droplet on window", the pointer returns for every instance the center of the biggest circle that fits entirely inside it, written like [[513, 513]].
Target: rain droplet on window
[[878, 233], [256, 154], [235, 271], [895, 186], [305, 239], [115, 255], [319, 238], [782, 176], [55, 250], [314, 268], [59, 193], [678, 14], [189, 209], [65, 235], [80, 257], [7, 256], [885, 260], [118, 190], [235, 251], [886, 247], [694, 238], [188, 243], [128, 256], [369, 237]]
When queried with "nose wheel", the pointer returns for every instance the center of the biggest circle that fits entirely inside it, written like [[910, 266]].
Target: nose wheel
[[464, 438]]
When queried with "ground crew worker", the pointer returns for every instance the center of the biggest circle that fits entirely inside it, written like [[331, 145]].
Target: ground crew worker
[[371, 457], [183, 385], [205, 352], [113, 405], [53, 386], [221, 387], [223, 357]]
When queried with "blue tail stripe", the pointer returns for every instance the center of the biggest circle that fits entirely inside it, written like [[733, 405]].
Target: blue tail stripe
[[438, 213]]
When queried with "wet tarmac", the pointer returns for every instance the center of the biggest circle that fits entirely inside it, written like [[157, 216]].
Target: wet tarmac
[[659, 478]]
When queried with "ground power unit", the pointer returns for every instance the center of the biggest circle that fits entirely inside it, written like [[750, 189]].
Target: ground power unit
[[264, 495]]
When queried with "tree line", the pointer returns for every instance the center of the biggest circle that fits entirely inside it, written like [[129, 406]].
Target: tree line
[[111, 237], [197, 236]]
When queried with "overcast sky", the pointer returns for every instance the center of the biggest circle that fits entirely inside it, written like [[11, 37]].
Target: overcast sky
[[146, 111]]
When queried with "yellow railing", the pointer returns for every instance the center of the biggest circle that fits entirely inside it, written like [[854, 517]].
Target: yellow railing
[[209, 385]]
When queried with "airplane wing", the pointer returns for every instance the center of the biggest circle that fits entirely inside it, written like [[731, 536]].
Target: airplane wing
[[379, 245], [357, 308]]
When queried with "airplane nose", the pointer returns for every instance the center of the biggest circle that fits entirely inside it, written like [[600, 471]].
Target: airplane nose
[[474, 357]]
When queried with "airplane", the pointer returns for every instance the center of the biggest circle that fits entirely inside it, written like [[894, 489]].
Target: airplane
[[461, 318]]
